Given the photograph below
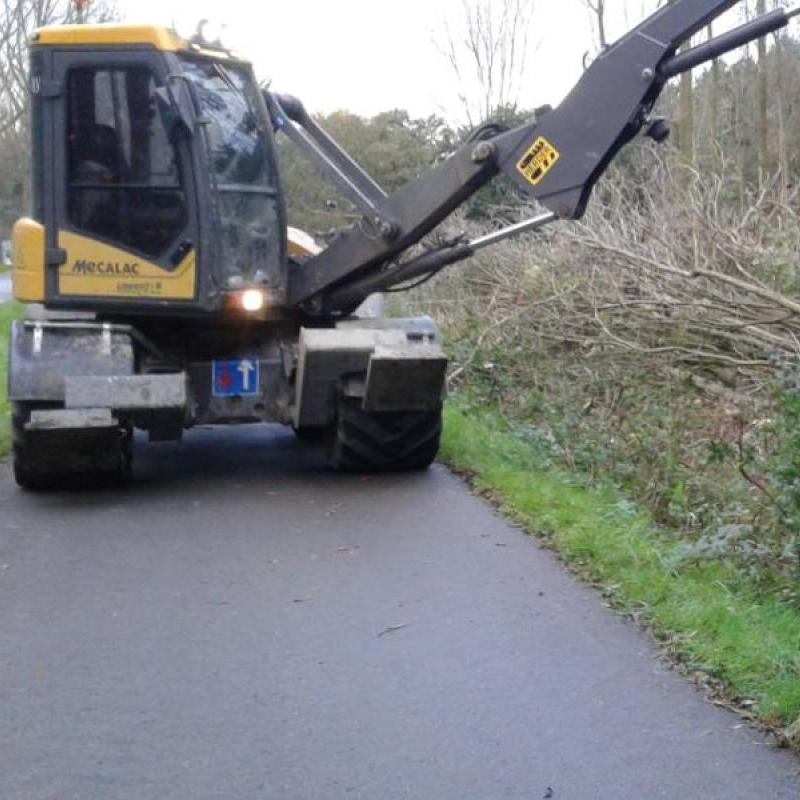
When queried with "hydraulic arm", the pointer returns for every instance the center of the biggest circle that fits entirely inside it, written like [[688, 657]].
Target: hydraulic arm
[[557, 159]]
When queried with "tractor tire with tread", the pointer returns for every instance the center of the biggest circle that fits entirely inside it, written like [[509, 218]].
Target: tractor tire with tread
[[372, 442], [315, 434]]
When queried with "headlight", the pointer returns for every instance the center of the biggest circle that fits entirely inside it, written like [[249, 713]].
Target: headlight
[[253, 300]]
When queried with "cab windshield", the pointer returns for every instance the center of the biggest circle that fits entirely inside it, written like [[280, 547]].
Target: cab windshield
[[242, 172]]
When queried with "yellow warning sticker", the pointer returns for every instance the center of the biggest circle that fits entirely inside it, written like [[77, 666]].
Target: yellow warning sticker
[[538, 161]]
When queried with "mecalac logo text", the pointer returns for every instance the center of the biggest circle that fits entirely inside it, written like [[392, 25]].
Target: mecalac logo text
[[111, 268]]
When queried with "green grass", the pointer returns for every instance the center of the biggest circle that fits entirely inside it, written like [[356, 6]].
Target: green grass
[[8, 312], [712, 617]]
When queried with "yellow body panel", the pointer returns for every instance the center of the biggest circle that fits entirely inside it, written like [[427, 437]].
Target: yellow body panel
[[28, 255], [110, 34], [96, 269]]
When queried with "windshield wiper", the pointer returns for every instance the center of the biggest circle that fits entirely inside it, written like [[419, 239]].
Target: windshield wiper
[[226, 77]]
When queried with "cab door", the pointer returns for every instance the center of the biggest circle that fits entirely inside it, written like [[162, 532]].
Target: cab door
[[124, 219]]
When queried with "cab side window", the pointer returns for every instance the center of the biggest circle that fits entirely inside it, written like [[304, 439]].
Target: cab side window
[[124, 178]]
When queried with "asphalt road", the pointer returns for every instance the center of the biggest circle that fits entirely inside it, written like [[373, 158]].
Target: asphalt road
[[242, 623]]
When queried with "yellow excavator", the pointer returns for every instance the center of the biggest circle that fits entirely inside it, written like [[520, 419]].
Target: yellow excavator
[[175, 295]]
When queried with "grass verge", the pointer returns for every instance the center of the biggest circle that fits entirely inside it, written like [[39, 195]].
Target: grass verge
[[710, 617], [8, 312]]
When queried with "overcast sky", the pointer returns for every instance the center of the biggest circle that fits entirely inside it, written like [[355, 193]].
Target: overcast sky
[[369, 56]]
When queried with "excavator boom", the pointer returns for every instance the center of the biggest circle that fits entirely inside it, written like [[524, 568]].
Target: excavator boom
[[557, 159]]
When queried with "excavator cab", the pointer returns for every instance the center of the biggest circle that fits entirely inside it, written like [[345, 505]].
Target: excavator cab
[[157, 185]]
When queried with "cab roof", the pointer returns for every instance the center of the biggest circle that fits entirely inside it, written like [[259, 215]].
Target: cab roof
[[113, 34], [110, 34]]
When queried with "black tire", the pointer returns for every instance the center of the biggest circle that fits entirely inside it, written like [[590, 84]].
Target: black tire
[[67, 464], [368, 442], [313, 435]]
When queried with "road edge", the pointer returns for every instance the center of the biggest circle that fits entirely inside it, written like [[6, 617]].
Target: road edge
[[690, 610]]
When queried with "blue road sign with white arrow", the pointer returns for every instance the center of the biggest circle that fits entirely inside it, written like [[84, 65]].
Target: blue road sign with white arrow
[[237, 377]]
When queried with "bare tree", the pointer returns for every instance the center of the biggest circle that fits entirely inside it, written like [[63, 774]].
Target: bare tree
[[667, 276], [762, 122], [631, 12], [780, 101], [488, 54], [686, 120], [714, 106], [597, 9]]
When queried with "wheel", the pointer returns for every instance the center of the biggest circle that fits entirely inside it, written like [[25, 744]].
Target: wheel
[[369, 442], [317, 434], [46, 460]]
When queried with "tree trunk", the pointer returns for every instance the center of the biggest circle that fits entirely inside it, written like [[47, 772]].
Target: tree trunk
[[714, 111], [601, 24], [780, 91], [762, 123], [686, 121]]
